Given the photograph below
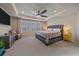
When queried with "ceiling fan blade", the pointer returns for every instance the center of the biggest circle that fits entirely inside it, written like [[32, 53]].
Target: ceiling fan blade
[[43, 11], [43, 16]]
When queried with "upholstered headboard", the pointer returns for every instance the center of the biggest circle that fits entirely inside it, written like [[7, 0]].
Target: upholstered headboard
[[57, 26]]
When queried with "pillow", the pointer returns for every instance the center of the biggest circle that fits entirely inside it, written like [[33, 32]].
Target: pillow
[[50, 29], [56, 30]]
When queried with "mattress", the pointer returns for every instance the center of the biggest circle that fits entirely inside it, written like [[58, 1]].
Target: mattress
[[48, 34]]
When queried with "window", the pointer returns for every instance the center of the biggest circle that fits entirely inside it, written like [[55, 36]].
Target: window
[[26, 25]]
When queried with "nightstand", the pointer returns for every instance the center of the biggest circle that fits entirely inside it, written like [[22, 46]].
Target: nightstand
[[67, 37]]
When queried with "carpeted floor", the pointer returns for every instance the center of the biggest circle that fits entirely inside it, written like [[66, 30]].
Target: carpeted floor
[[30, 46]]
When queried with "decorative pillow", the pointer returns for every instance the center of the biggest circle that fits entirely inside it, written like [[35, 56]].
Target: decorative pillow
[[50, 29], [56, 30]]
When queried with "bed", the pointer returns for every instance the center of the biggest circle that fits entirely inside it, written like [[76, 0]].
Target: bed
[[50, 36]]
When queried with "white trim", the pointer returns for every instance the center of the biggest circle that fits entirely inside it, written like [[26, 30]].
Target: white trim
[[15, 9], [30, 18]]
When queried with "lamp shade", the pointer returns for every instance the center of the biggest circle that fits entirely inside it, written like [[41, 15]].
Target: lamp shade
[[67, 29]]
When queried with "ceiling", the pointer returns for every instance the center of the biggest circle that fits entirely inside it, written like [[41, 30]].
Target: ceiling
[[30, 9]]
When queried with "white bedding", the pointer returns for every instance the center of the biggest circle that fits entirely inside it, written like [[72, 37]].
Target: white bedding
[[49, 34]]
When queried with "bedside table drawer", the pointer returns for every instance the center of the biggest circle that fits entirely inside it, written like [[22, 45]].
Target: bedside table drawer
[[67, 37]]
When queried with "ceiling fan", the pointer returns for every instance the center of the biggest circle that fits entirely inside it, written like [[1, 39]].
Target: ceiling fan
[[41, 13]]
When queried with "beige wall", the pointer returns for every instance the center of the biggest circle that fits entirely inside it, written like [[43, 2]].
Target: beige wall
[[69, 20], [14, 22], [77, 24], [45, 25]]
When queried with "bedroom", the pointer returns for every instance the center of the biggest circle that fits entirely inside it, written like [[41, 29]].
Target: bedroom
[[28, 19]]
